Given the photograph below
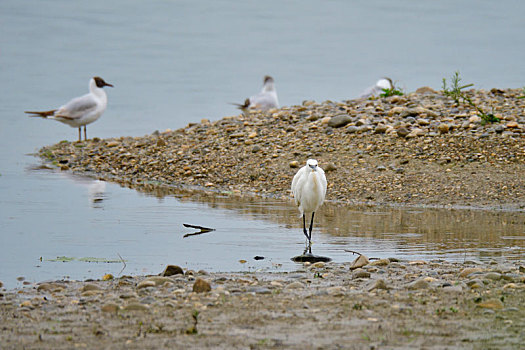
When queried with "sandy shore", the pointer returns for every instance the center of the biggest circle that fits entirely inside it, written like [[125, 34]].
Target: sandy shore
[[418, 149]]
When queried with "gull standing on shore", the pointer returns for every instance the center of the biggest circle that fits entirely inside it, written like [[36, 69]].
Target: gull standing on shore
[[82, 110], [309, 191], [377, 89], [264, 100]]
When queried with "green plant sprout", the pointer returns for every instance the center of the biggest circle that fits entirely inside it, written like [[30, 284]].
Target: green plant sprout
[[456, 93]]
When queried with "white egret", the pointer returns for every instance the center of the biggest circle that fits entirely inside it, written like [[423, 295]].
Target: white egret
[[264, 100], [377, 89], [309, 191], [82, 110]]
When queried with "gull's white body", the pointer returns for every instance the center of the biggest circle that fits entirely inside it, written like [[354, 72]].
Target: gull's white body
[[82, 110], [266, 99], [377, 89], [309, 187]]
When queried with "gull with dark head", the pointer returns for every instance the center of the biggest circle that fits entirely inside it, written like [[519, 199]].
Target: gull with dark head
[[309, 191], [82, 110], [377, 89], [264, 100]]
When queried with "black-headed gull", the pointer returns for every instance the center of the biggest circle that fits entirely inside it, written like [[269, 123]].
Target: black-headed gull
[[377, 89], [82, 110], [264, 100]]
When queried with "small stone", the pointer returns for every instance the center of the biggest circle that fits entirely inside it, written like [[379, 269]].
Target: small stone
[[50, 287], [512, 125], [419, 284], [380, 129], [146, 284], [256, 149], [453, 289], [378, 284], [381, 168], [107, 277], [361, 261], [380, 262], [402, 132], [110, 307], [492, 276], [161, 142], [499, 129], [339, 121], [112, 144], [469, 270], [443, 128], [425, 90], [90, 287], [159, 280], [201, 286], [336, 291], [330, 167], [171, 270], [492, 304], [352, 129], [318, 265], [360, 273], [474, 119], [135, 307], [415, 133], [295, 285], [294, 164]]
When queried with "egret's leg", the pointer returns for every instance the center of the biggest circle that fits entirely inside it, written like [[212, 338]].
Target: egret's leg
[[304, 227], [311, 227], [85, 133], [79, 133]]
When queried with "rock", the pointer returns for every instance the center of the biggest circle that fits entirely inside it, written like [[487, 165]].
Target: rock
[[146, 284], [107, 277], [159, 280], [110, 307], [50, 287], [201, 286], [512, 125], [423, 121], [318, 265], [112, 144], [90, 287], [336, 291], [378, 284], [360, 273], [453, 289], [361, 261], [419, 284], [135, 307], [380, 129], [402, 132], [380, 262], [474, 119], [415, 133], [330, 167], [380, 168], [295, 285], [469, 270], [339, 121], [294, 164], [491, 304], [352, 129], [425, 90], [492, 276], [443, 128], [171, 270], [499, 129]]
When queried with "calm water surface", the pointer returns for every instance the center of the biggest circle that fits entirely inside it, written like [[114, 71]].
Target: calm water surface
[[175, 62]]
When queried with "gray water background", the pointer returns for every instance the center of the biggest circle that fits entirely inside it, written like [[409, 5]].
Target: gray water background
[[176, 62]]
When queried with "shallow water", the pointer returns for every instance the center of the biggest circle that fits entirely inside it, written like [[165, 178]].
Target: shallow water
[[175, 62]]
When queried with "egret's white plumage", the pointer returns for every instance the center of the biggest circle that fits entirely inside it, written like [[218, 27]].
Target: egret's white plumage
[[264, 100], [309, 191], [82, 110], [377, 89]]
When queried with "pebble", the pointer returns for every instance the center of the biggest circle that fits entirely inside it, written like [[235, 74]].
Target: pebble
[[469, 270], [135, 307], [339, 121], [360, 273], [360, 261], [380, 262], [295, 285], [171, 270], [419, 284], [201, 286], [378, 284], [491, 304]]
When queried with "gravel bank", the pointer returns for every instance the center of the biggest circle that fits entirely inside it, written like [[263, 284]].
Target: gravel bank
[[417, 149]]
